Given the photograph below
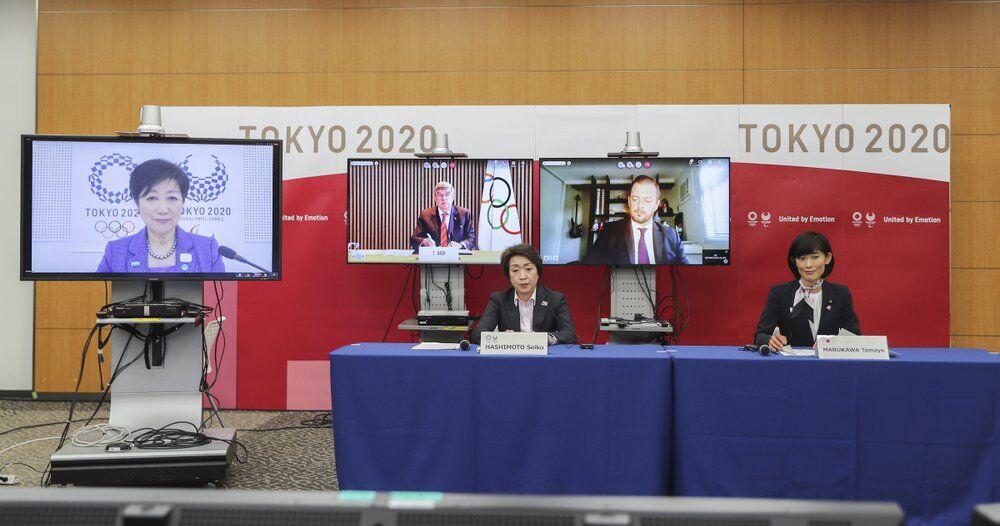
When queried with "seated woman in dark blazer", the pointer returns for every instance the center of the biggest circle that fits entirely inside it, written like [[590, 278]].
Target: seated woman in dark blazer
[[526, 306], [808, 305]]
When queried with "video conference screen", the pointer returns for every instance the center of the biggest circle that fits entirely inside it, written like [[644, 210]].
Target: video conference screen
[[103, 208], [621, 212], [437, 211]]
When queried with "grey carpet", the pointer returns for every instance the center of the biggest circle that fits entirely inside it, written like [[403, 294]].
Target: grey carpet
[[292, 459]]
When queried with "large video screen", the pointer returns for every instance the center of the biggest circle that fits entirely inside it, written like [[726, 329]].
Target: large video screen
[[108, 208], [621, 212], [437, 210]]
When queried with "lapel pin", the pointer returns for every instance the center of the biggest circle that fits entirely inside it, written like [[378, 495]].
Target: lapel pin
[[545, 303], [829, 307]]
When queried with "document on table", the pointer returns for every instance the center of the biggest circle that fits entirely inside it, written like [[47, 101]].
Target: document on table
[[435, 346], [796, 351], [788, 350]]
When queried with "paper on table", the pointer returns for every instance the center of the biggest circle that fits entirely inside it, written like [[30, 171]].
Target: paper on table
[[787, 349], [797, 351], [435, 346]]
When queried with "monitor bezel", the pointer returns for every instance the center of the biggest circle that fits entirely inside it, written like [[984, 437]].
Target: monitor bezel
[[27, 140], [580, 262], [347, 173]]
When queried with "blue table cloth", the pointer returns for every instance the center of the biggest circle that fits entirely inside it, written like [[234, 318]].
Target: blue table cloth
[[921, 430], [572, 422]]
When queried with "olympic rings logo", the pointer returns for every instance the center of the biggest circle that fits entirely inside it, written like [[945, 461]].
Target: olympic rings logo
[[496, 203], [116, 229]]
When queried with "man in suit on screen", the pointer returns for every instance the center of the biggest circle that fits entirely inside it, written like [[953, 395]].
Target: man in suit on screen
[[638, 239], [444, 224]]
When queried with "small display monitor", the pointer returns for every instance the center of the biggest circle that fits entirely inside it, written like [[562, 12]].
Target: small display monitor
[[114, 208], [638, 211], [437, 210]]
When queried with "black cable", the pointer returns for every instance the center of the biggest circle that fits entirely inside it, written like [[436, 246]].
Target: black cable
[[683, 294], [102, 341], [168, 437], [76, 390], [645, 291], [220, 338], [269, 429], [414, 294], [427, 287], [468, 271], [323, 420], [46, 424], [121, 366], [319, 420], [447, 289], [395, 309], [29, 466], [600, 303], [430, 272]]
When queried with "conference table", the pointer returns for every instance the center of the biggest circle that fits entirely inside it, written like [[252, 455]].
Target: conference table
[[922, 429]]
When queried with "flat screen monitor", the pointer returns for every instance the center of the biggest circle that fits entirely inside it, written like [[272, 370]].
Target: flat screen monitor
[[398, 209], [124, 208], [622, 212]]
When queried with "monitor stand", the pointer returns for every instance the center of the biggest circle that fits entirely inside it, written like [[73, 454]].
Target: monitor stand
[[442, 316], [165, 393], [633, 293]]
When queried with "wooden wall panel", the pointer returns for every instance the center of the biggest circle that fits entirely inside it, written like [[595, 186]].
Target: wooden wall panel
[[435, 40], [975, 162], [100, 59], [975, 235], [68, 311], [853, 1], [205, 5], [114, 100], [975, 310], [57, 361], [972, 93], [872, 35], [990, 343]]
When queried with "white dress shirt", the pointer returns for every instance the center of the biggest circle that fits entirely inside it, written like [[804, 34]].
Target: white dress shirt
[[648, 240], [815, 300], [526, 309]]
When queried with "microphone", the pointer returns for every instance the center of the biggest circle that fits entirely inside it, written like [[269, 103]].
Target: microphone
[[464, 345], [229, 253], [764, 350]]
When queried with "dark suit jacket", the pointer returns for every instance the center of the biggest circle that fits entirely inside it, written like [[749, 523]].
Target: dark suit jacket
[[837, 313], [614, 245], [460, 228], [551, 315]]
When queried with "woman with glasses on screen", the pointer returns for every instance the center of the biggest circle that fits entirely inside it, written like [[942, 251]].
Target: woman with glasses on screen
[[159, 189], [797, 311]]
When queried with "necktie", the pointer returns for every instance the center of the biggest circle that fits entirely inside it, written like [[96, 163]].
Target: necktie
[[444, 230], [643, 253]]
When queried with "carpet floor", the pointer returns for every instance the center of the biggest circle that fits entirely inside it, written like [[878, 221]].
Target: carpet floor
[[284, 454]]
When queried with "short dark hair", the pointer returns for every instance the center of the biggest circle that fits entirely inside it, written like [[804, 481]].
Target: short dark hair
[[642, 179], [520, 250], [807, 243], [153, 172]]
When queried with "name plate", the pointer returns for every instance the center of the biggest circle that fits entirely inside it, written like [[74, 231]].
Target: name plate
[[515, 343], [437, 254], [852, 347]]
